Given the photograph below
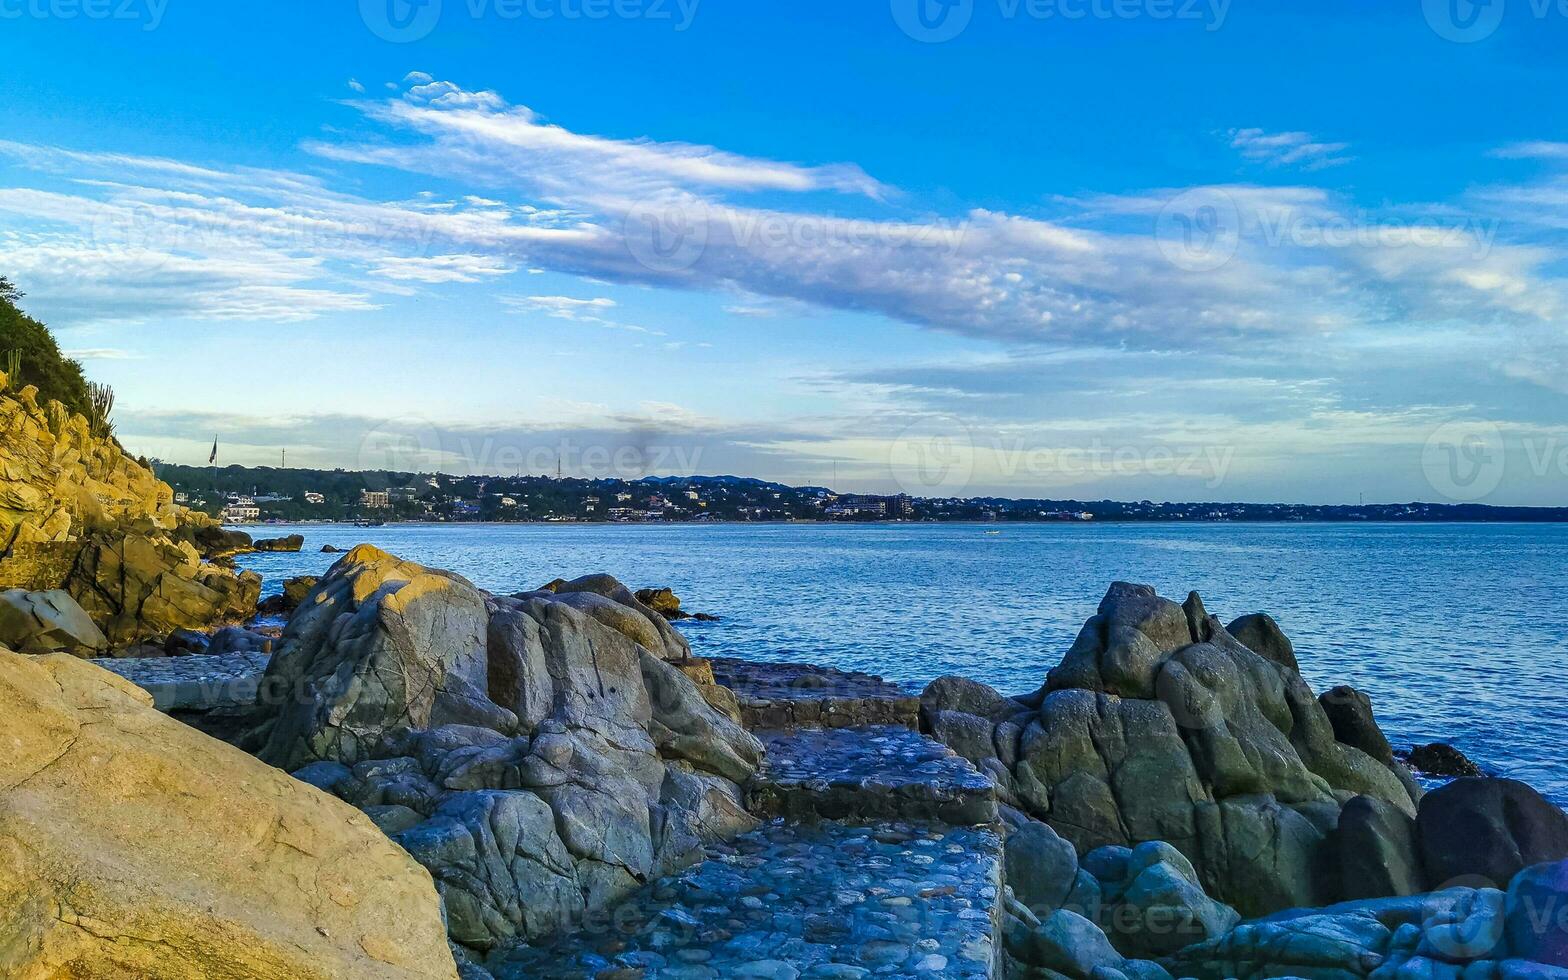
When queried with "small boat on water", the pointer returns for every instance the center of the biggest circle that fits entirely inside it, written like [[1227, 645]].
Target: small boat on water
[[993, 532], [370, 523]]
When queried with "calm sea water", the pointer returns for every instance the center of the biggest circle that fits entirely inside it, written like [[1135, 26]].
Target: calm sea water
[[1457, 631]]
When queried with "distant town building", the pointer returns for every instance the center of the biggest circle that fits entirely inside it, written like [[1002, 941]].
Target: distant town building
[[312, 497], [239, 513], [374, 499]]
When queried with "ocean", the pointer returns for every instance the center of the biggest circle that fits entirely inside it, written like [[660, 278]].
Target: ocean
[[1458, 632]]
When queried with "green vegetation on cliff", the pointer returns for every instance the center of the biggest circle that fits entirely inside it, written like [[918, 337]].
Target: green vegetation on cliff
[[42, 364]]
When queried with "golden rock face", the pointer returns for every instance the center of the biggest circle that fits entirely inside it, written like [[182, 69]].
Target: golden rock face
[[56, 478], [77, 513], [132, 845]]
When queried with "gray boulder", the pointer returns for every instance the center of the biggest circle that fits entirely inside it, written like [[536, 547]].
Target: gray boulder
[[1339, 946], [1066, 943], [1488, 828], [387, 644], [1042, 869], [48, 622], [1152, 903], [1160, 725], [1375, 850], [1259, 633], [237, 639], [530, 751], [1350, 713]]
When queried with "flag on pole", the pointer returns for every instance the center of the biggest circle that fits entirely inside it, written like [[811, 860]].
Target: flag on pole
[[214, 457]]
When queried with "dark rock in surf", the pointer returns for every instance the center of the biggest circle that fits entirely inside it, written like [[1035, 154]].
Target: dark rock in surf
[[1441, 759]]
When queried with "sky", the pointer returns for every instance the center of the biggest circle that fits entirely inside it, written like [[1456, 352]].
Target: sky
[[1178, 250]]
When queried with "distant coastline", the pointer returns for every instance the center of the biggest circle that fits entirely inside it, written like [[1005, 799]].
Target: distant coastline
[[252, 495]]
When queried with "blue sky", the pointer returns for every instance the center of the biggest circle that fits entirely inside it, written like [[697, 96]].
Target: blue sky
[[1094, 248]]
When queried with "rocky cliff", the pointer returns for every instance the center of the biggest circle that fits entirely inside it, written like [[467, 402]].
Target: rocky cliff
[[78, 514]]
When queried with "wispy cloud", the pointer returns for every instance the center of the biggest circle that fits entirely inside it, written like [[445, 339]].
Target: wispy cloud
[[1288, 149], [442, 268]]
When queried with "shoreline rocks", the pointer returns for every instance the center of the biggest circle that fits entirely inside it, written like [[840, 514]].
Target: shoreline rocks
[[1440, 759], [1159, 725], [556, 756], [667, 604], [541, 754], [287, 543]]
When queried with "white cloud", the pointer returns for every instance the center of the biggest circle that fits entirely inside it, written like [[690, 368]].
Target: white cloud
[[101, 354], [1288, 149], [442, 268]]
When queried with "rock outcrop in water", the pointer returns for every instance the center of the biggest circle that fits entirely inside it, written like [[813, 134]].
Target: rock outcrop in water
[[137, 847], [541, 754], [1160, 725], [79, 515]]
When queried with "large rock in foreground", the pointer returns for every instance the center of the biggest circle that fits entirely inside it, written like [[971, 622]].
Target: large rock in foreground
[[135, 846], [1160, 725], [542, 754]]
